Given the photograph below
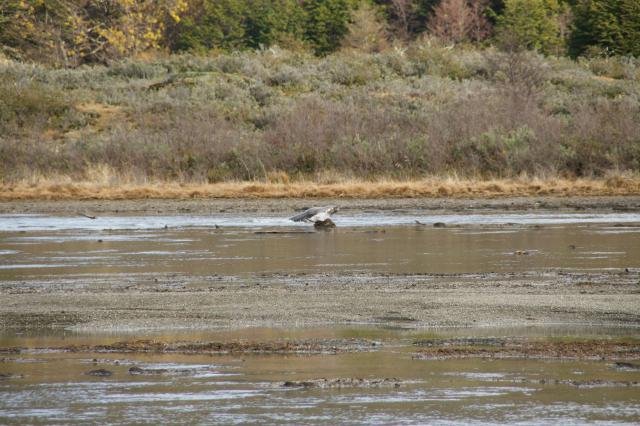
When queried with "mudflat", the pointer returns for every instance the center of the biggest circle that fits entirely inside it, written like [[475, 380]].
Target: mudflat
[[430, 300], [327, 295], [509, 308]]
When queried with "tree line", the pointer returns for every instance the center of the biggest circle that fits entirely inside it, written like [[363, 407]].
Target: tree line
[[75, 32]]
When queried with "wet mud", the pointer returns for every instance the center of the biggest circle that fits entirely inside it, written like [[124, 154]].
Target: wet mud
[[321, 346], [287, 205], [295, 300], [340, 383], [601, 350]]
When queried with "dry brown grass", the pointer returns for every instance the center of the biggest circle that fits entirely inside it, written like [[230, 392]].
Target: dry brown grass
[[112, 189]]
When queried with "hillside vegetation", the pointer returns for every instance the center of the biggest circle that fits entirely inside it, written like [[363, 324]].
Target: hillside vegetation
[[496, 100], [423, 110]]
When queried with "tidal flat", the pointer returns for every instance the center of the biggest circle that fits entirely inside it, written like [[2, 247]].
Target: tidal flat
[[224, 311]]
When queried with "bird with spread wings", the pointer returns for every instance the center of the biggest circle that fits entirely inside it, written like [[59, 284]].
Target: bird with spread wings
[[320, 216]]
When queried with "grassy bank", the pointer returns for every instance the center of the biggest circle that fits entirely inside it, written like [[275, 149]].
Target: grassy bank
[[291, 118], [60, 190]]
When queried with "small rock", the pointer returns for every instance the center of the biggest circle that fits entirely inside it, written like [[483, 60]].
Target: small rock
[[101, 372], [136, 370], [439, 225]]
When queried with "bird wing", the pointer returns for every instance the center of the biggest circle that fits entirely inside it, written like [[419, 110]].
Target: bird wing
[[314, 214], [306, 215]]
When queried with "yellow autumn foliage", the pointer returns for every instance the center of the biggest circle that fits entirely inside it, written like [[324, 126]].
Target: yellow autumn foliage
[[69, 33]]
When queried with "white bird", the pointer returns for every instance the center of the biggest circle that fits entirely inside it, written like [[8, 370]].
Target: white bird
[[318, 215]]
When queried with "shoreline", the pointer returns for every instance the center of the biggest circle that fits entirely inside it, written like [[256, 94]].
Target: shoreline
[[430, 188], [630, 203]]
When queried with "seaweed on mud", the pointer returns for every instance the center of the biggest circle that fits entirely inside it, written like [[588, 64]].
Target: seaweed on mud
[[101, 372], [339, 383], [27, 321], [139, 371], [514, 348], [7, 376]]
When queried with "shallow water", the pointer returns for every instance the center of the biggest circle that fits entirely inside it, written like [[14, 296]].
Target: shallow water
[[512, 247], [50, 388], [37, 222], [247, 389]]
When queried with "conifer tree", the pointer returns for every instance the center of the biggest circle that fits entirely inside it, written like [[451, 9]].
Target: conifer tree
[[532, 24], [326, 23], [612, 26]]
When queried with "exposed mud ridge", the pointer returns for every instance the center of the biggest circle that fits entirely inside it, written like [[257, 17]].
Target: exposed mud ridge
[[99, 373], [22, 321], [326, 346], [339, 383], [595, 383], [8, 376], [139, 371], [626, 366], [522, 349]]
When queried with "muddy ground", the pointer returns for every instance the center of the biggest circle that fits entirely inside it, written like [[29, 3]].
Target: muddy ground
[[275, 300], [286, 205]]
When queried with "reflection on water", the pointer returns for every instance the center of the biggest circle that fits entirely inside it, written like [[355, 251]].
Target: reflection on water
[[396, 249], [249, 389]]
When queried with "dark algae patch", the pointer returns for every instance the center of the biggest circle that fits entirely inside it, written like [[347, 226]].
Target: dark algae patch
[[628, 349], [339, 383], [101, 372]]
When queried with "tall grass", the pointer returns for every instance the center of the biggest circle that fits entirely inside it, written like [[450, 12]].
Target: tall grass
[[399, 114]]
